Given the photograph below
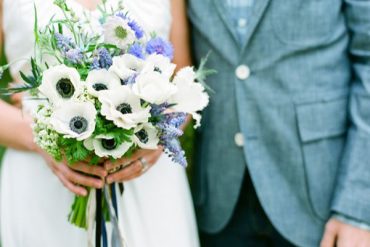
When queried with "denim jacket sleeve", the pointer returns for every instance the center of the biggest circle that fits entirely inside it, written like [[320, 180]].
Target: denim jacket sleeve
[[352, 195], [350, 221]]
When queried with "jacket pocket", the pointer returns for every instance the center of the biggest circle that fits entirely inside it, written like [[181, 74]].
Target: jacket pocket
[[304, 22], [322, 128]]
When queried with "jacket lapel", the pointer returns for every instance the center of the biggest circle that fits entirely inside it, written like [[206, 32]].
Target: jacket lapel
[[226, 19], [259, 7]]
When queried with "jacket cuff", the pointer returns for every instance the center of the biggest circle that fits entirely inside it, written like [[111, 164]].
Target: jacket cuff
[[351, 221]]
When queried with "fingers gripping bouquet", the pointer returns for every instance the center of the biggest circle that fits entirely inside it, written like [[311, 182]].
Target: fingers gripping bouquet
[[107, 88]]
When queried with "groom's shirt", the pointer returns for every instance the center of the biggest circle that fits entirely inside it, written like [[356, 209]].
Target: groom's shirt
[[239, 12]]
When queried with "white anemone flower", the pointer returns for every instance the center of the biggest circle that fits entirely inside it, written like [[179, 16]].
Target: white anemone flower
[[190, 96], [106, 146], [160, 64], [126, 66], [123, 107], [154, 88], [100, 80], [118, 32], [74, 120], [60, 84], [146, 136]]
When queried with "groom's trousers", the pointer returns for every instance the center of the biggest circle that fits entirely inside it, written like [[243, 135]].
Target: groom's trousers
[[249, 225]]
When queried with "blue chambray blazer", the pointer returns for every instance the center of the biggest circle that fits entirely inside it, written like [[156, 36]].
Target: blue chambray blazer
[[304, 112]]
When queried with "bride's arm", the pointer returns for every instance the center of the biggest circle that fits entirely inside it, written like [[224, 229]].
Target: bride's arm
[[180, 34], [15, 128]]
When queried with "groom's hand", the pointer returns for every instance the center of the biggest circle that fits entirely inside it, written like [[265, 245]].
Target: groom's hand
[[338, 234], [130, 168]]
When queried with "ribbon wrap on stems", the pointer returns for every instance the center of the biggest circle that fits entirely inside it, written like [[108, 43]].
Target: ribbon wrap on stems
[[107, 195]]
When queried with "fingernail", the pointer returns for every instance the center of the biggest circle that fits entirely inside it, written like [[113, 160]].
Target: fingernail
[[84, 193]]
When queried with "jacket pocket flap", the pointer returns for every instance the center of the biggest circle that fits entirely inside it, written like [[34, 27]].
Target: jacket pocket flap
[[322, 119]]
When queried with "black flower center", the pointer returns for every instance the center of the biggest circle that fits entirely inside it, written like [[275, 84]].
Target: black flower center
[[124, 108], [78, 124], [100, 87], [109, 144], [65, 88], [143, 136], [156, 69]]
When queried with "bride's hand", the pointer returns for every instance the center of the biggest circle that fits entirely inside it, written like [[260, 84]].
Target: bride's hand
[[76, 177], [129, 168], [16, 100]]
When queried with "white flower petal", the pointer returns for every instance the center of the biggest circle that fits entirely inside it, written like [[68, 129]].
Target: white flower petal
[[160, 64], [126, 66], [190, 96], [112, 100], [154, 88], [114, 28], [117, 152], [152, 136], [101, 78], [83, 112], [51, 81]]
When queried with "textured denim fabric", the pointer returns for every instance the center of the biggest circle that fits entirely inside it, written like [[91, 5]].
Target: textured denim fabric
[[304, 113]]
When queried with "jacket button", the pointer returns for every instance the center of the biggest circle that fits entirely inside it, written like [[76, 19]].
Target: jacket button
[[239, 139], [242, 72]]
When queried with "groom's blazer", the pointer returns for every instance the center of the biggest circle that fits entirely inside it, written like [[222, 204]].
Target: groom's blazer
[[291, 105]]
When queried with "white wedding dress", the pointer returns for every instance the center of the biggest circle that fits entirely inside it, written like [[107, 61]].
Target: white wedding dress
[[156, 209]]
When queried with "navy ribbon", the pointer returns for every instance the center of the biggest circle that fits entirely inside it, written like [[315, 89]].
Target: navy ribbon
[[114, 199], [104, 234], [101, 230], [98, 218]]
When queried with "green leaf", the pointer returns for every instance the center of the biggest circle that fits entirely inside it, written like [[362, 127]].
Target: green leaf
[[35, 27]]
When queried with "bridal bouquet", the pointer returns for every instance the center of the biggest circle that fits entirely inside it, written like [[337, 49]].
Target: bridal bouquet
[[105, 89]]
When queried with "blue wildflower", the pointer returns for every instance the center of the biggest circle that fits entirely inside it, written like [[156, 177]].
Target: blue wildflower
[[139, 32], [74, 56], [160, 46], [95, 65], [169, 131], [63, 43], [176, 119], [175, 152], [103, 60], [169, 127], [157, 110], [122, 15], [136, 50]]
